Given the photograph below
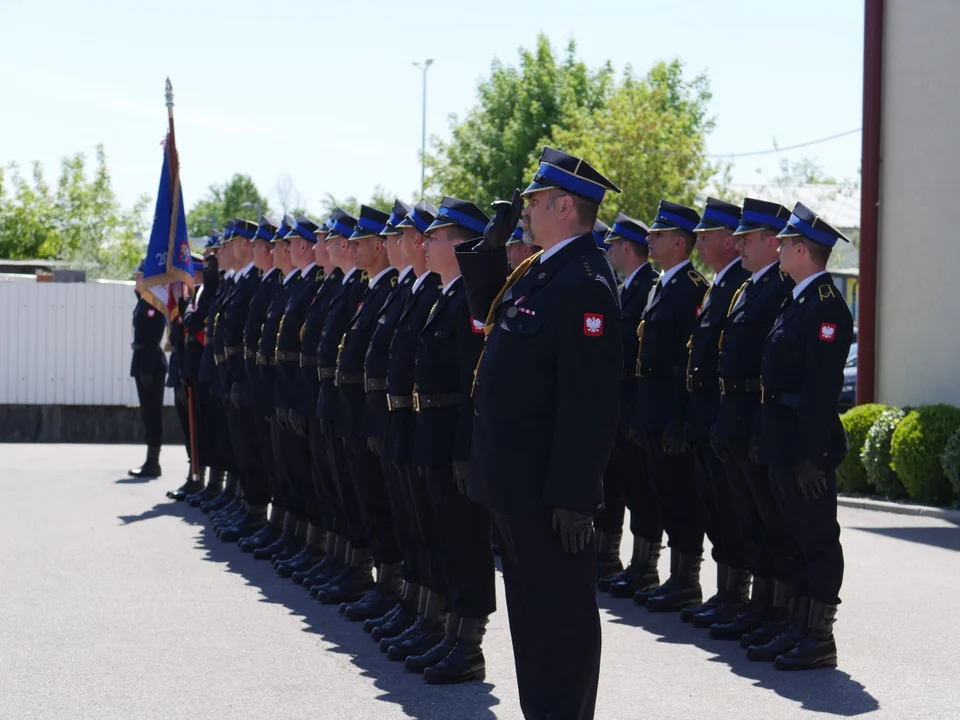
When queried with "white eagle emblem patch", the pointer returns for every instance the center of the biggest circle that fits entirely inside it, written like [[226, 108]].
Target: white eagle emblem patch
[[593, 324], [827, 332], [476, 325]]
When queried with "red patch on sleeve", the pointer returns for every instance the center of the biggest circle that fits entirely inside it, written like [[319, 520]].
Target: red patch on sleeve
[[476, 325], [828, 332], [592, 324]]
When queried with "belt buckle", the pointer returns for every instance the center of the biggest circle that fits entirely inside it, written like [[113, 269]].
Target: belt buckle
[[389, 404], [763, 394], [416, 402], [723, 387]]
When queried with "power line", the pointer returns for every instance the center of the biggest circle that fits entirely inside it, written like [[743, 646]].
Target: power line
[[789, 147]]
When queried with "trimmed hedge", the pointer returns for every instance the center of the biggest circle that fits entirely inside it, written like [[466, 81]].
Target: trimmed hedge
[[857, 421], [950, 461], [876, 454], [915, 452]]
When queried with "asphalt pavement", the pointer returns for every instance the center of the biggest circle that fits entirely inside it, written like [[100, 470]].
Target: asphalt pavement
[[118, 603]]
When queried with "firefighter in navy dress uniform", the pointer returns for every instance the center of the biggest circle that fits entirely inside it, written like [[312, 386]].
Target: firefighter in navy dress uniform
[[802, 439], [542, 437]]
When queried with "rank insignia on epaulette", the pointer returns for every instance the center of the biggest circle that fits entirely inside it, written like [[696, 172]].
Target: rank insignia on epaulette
[[826, 291], [696, 277], [364, 275]]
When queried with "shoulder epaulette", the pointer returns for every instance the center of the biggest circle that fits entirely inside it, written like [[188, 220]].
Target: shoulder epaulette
[[364, 275], [696, 277], [826, 290]]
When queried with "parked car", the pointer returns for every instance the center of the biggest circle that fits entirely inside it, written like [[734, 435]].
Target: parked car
[[848, 394]]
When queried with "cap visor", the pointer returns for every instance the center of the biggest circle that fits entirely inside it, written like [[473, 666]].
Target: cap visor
[[535, 187], [436, 225], [705, 227]]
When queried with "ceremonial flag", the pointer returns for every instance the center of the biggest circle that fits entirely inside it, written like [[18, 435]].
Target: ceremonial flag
[[168, 262]]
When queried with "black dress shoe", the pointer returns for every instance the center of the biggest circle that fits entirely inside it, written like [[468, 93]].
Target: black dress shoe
[[373, 623], [818, 647], [374, 604], [266, 552], [685, 592], [399, 623], [634, 583], [264, 537], [150, 467], [387, 641], [301, 575], [747, 620], [307, 559], [789, 637], [217, 503], [187, 489], [351, 587], [686, 615], [465, 662], [419, 663], [726, 611], [252, 522]]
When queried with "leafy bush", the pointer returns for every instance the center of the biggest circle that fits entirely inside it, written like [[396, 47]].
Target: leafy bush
[[915, 452], [857, 421], [876, 454], [950, 461]]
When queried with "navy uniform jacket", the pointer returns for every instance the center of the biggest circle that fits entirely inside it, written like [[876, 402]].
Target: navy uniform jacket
[[374, 420], [398, 440], [266, 291], [195, 321], [310, 335], [447, 354], [208, 368], [702, 364], [344, 303], [750, 318], [266, 394], [350, 385], [231, 326], [633, 300], [148, 326], [802, 374], [667, 324], [304, 289], [547, 390]]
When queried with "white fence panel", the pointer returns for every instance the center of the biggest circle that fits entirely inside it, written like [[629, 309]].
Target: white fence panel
[[67, 344]]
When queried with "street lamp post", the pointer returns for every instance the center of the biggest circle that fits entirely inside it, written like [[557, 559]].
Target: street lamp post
[[423, 67]]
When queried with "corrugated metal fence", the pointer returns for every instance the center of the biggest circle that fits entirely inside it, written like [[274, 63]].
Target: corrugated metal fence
[[67, 344]]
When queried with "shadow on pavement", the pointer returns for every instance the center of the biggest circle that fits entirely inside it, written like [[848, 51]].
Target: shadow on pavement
[[134, 480], [824, 691], [470, 701], [947, 538]]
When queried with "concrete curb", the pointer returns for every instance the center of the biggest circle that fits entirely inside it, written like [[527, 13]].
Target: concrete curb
[[862, 503]]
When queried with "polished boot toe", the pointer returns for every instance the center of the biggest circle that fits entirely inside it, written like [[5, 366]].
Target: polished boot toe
[[810, 653], [429, 634], [396, 626], [419, 663], [352, 586], [747, 620], [372, 624], [374, 604]]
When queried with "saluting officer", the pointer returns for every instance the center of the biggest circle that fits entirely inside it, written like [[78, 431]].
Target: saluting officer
[[148, 368], [668, 322], [736, 428], [422, 569], [626, 469], [292, 411], [542, 438], [718, 251], [802, 438]]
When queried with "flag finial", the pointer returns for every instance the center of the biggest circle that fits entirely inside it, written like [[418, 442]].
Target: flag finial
[[169, 94]]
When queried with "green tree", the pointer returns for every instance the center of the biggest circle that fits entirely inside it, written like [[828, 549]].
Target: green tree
[[236, 198], [648, 138], [381, 200], [519, 111], [80, 221]]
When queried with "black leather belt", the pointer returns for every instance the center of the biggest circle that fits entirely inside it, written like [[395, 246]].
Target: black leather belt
[[374, 384], [327, 372], [343, 378], [790, 400], [232, 350], [308, 360], [739, 385], [137, 346], [423, 401], [398, 402], [249, 354], [217, 359], [701, 383], [287, 356], [674, 371], [263, 360]]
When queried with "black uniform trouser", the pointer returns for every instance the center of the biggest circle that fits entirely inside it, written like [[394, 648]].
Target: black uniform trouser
[[812, 526], [246, 449], [324, 488], [547, 588], [465, 548], [371, 489], [404, 531], [151, 406], [674, 484], [180, 400], [299, 476], [280, 490], [760, 524], [429, 534], [262, 486], [646, 520], [222, 435], [719, 520], [203, 406], [350, 522]]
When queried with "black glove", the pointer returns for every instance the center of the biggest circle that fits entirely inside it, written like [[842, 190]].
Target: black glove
[[235, 395], [281, 419], [811, 479], [461, 474], [146, 379], [673, 443], [504, 222], [298, 423], [576, 530]]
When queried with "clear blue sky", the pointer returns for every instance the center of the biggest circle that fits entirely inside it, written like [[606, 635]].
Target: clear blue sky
[[325, 92]]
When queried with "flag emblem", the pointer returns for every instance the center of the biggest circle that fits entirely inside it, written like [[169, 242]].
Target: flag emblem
[[593, 324], [828, 332]]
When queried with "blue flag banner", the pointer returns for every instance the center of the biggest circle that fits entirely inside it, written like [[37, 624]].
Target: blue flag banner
[[168, 258]]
